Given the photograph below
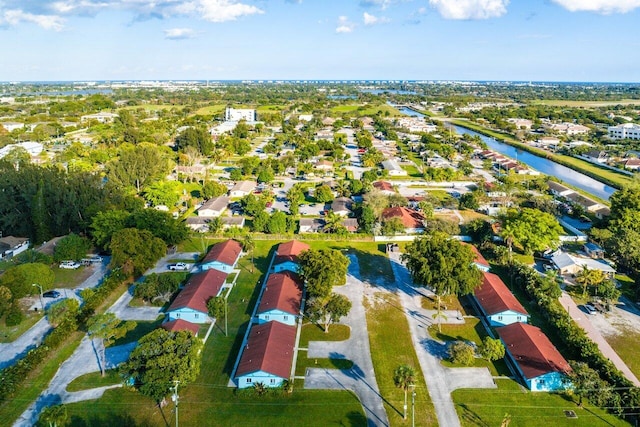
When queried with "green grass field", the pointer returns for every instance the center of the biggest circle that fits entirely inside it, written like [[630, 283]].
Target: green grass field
[[366, 110], [154, 107], [568, 103], [484, 408], [210, 110], [11, 333], [95, 379]]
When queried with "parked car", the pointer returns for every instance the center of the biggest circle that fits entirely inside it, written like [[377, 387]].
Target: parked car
[[590, 308], [69, 265], [178, 266], [51, 294]]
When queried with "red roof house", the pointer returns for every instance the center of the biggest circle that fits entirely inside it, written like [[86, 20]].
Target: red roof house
[[384, 186], [497, 303], [267, 356], [413, 221], [538, 361], [191, 302], [281, 298], [181, 325], [287, 255], [222, 256], [480, 261]]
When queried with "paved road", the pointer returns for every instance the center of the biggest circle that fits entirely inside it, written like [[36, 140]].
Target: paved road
[[13, 351], [83, 361], [360, 378], [582, 319], [123, 311], [440, 381]]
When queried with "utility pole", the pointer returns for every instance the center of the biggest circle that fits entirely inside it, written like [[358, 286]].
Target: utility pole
[[413, 405], [41, 303], [226, 295], [175, 398]]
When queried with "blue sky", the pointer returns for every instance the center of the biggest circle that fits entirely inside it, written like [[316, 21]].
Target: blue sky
[[552, 40]]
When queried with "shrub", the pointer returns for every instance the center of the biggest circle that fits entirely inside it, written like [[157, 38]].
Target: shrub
[[15, 316], [461, 353]]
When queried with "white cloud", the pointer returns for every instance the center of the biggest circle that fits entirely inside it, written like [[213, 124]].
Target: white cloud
[[48, 22], [599, 6], [470, 9], [224, 10], [372, 20], [179, 33], [383, 4], [344, 25]]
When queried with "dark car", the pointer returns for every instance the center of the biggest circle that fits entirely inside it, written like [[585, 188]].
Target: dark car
[[51, 294]]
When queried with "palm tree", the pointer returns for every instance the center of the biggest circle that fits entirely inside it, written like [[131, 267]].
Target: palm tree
[[588, 278], [404, 377], [333, 222], [248, 245]]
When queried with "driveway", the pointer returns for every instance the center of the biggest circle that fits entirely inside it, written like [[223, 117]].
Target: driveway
[[440, 381], [123, 311], [82, 361], [583, 320], [360, 378]]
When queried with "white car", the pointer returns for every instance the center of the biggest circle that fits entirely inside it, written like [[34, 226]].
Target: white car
[[178, 266], [69, 265]]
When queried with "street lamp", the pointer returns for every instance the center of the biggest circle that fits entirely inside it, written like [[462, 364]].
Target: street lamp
[[413, 405], [41, 303]]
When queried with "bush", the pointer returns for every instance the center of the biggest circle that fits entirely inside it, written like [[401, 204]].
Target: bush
[[15, 316], [462, 353], [71, 247]]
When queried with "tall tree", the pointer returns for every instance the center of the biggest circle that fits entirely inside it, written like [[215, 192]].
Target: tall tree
[[135, 250], [404, 377], [443, 265], [138, 166], [322, 269], [161, 358], [532, 229], [328, 310], [589, 278], [106, 328]]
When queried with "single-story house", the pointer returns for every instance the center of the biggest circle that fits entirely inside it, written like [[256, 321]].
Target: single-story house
[[286, 257], [351, 224], [535, 358], [214, 207], [479, 261], [324, 165], [268, 355], [573, 264], [497, 303], [198, 223], [232, 222], [281, 299], [412, 220], [242, 188], [589, 204], [393, 168], [558, 189], [102, 117], [384, 187], [222, 256], [593, 250], [11, 246], [181, 325], [191, 302], [597, 156], [11, 126], [342, 206], [602, 212], [310, 225], [632, 164]]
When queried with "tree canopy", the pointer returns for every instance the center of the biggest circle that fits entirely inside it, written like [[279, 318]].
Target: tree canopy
[[322, 269], [532, 229], [136, 250]]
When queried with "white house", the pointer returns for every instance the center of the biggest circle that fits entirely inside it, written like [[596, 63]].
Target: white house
[[393, 168], [237, 114], [286, 256], [242, 188], [559, 189], [32, 148], [222, 256], [191, 302], [342, 206], [535, 358], [268, 355], [102, 117], [497, 303], [624, 131], [11, 126], [214, 207], [281, 299], [11, 246], [573, 264]]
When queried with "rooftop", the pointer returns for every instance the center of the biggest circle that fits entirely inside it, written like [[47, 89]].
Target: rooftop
[[226, 252], [198, 290], [270, 349], [494, 296], [283, 291]]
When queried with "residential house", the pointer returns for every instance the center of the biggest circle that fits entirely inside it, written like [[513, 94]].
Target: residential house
[[281, 299], [11, 126], [342, 206], [11, 246], [593, 250], [351, 224], [191, 302], [232, 222], [573, 264], [632, 164], [535, 358], [602, 213], [32, 148], [310, 225], [222, 256], [198, 223], [305, 117], [520, 123], [181, 325], [286, 258], [237, 114], [324, 165], [496, 302], [624, 131], [412, 220], [102, 117], [242, 188], [588, 204], [384, 187], [268, 355], [393, 168], [597, 156], [214, 207], [558, 189], [479, 261]]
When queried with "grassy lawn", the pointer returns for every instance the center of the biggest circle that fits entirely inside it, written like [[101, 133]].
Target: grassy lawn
[[210, 110], [313, 332], [451, 302], [574, 103], [613, 176], [627, 345], [95, 379], [141, 329], [11, 333], [304, 362], [471, 215], [488, 407], [208, 401], [366, 110], [391, 346], [71, 278], [153, 107], [627, 286], [38, 380]]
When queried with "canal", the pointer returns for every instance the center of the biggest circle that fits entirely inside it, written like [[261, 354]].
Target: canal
[[538, 163]]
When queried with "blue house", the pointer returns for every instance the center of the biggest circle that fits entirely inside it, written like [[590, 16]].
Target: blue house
[[287, 256], [535, 359], [496, 302], [281, 299], [191, 302], [268, 356], [479, 261], [222, 256]]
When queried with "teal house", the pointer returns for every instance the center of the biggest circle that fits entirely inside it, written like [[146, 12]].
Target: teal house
[[222, 256]]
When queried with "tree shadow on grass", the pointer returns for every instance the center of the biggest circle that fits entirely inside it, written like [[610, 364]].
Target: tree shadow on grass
[[356, 419], [471, 417], [110, 420]]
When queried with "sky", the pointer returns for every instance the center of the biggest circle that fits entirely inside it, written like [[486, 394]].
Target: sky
[[525, 40]]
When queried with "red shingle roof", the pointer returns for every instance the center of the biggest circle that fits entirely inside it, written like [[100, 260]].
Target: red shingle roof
[[198, 290], [269, 349], [289, 251], [283, 291], [181, 325], [478, 256], [226, 252], [383, 186], [532, 350], [494, 296], [409, 217]]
